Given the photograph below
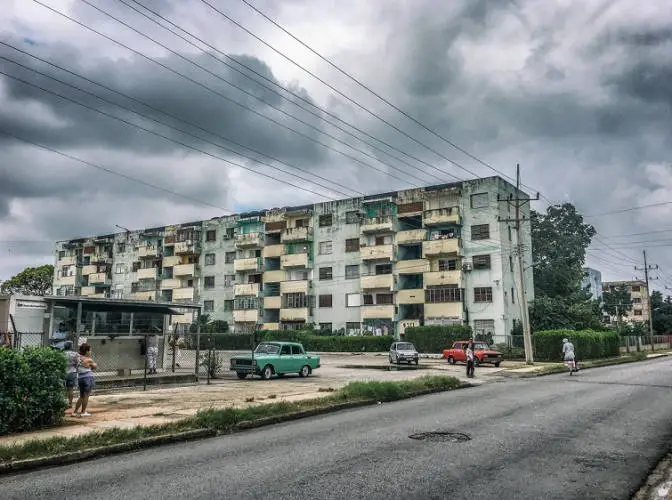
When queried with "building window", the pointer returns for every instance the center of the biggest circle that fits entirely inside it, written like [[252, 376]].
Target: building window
[[352, 245], [121, 247], [442, 294], [229, 279], [325, 273], [352, 272], [325, 247], [208, 305], [294, 300], [325, 301], [637, 312], [367, 299], [479, 200], [383, 269], [352, 217], [353, 300], [209, 259], [510, 235], [228, 305], [636, 300], [119, 269], [209, 282], [384, 240], [636, 288], [483, 294], [511, 262], [447, 265], [325, 327], [481, 261], [211, 235], [384, 298], [352, 327], [513, 296], [484, 327], [325, 220], [480, 232], [229, 257]]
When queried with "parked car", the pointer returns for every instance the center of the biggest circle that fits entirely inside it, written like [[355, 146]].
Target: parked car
[[403, 352], [275, 358], [482, 353]]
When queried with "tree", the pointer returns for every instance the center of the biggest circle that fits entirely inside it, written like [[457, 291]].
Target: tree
[[559, 242], [30, 281], [617, 302], [661, 313]]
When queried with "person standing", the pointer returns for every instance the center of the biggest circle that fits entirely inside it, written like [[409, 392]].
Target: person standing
[[72, 360], [85, 379], [152, 353], [470, 360], [568, 355]]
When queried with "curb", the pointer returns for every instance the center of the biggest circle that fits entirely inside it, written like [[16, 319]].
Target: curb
[[660, 475], [80, 456]]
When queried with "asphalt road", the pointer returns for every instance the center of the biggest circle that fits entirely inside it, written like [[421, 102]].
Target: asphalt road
[[592, 436]]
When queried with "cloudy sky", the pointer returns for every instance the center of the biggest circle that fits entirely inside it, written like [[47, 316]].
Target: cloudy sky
[[577, 92]]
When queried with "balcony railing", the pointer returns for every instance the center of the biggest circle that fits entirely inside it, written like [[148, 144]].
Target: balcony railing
[[275, 276], [442, 216], [150, 273], [100, 279], [437, 278], [250, 264], [297, 234], [383, 311], [447, 246], [376, 224], [381, 281], [294, 314], [249, 240], [414, 266], [184, 270], [414, 296], [411, 236], [247, 289], [172, 260], [377, 252], [298, 260]]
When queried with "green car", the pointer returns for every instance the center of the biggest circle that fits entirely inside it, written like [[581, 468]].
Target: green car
[[276, 358]]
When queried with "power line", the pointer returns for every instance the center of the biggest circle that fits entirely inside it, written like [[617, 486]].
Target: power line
[[630, 209], [285, 89], [223, 96]]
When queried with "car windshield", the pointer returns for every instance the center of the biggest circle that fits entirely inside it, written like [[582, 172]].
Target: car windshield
[[406, 346], [265, 348], [479, 346]]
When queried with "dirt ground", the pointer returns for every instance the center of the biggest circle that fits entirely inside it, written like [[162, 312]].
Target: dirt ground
[[130, 408]]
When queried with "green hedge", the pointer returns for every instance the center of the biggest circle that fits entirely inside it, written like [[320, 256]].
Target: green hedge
[[587, 343], [436, 338], [32, 389]]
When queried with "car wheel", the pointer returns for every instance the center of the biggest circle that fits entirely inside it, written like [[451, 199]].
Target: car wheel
[[417, 362], [497, 364], [305, 371], [451, 360], [241, 375], [267, 372]]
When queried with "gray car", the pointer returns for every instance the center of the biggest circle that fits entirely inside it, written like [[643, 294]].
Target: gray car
[[403, 352]]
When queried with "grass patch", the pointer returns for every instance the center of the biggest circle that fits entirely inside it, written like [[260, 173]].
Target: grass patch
[[225, 420]]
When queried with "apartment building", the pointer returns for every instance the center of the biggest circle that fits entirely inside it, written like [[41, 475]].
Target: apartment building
[[377, 264], [592, 282], [639, 295]]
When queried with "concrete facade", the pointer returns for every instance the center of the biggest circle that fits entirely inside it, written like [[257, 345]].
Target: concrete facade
[[435, 255], [639, 295]]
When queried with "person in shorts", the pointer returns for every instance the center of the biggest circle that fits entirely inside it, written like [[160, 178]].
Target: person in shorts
[[85, 380], [72, 360]]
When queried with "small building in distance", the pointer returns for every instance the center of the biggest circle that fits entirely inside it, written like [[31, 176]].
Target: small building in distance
[[592, 282]]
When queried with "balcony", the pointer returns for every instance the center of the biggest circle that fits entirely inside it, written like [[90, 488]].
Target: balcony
[[246, 316], [271, 326], [147, 274], [104, 295], [451, 310], [148, 251], [414, 266], [411, 236], [186, 247], [294, 260], [184, 270], [441, 216], [66, 281], [416, 296], [385, 311], [249, 240], [250, 289], [86, 270], [147, 295], [272, 302], [273, 251], [297, 286], [170, 284], [87, 291], [377, 224], [380, 281], [184, 293], [251, 264], [100, 279], [173, 260], [274, 276], [67, 261], [291, 314], [377, 252], [448, 246], [101, 258], [295, 234], [436, 278]]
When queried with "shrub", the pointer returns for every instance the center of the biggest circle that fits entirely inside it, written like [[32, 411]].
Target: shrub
[[588, 344], [32, 391], [435, 338]]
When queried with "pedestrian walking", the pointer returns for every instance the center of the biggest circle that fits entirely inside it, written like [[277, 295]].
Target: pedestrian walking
[[72, 360], [470, 360], [85, 380], [152, 353], [569, 356]]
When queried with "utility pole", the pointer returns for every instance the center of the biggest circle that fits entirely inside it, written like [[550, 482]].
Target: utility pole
[[646, 269], [519, 202]]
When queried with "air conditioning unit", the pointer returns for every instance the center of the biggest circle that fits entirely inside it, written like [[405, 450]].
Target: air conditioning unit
[[467, 266]]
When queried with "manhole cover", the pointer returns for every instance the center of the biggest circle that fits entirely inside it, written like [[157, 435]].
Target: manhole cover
[[441, 437]]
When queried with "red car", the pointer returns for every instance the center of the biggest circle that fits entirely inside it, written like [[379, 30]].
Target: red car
[[482, 353]]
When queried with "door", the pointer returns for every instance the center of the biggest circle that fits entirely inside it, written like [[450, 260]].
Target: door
[[285, 361], [460, 354], [299, 358]]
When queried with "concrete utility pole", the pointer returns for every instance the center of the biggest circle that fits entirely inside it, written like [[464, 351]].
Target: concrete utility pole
[[646, 269], [519, 202]]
